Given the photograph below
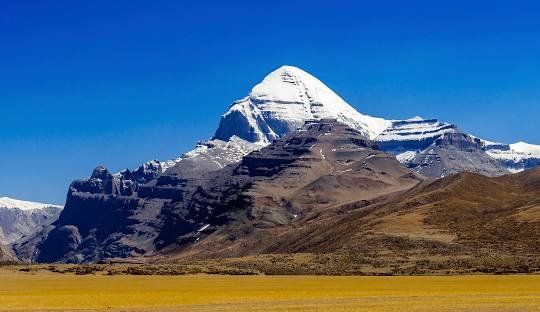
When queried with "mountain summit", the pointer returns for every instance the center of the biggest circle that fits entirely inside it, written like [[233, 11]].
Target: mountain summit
[[283, 102], [289, 97]]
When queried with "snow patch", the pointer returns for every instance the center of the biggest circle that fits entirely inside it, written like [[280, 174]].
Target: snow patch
[[6, 202], [406, 157], [203, 228]]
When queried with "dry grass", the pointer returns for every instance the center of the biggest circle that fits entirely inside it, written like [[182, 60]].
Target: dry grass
[[47, 291]]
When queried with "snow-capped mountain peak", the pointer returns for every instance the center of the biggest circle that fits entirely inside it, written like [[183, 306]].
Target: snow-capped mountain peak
[[6, 202], [283, 102], [289, 97]]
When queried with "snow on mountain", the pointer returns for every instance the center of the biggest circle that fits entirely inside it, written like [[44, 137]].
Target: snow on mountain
[[6, 202], [236, 149], [20, 218], [206, 156], [515, 157], [288, 97], [526, 148], [436, 148], [407, 137], [283, 102], [416, 129], [280, 104], [211, 155], [452, 153], [406, 157]]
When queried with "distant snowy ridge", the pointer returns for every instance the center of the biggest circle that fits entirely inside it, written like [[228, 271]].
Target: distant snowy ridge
[[10, 203], [517, 152], [515, 157], [19, 218]]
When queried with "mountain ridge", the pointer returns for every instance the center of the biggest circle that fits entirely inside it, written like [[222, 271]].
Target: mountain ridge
[[247, 125]]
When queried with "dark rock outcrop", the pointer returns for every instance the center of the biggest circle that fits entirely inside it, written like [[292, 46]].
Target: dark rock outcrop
[[453, 153], [62, 240]]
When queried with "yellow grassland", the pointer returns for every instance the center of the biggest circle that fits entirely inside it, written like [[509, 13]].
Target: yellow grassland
[[46, 291]]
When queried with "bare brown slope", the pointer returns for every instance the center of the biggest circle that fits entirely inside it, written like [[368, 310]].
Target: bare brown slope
[[459, 224], [462, 215], [497, 213]]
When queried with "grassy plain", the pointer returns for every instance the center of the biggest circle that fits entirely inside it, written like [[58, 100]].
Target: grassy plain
[[48, 291]]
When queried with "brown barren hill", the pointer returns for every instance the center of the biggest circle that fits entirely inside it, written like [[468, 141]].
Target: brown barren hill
[[464, 223], [497, 215]]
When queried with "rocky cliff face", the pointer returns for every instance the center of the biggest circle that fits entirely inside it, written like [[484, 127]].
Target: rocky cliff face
[[100, 215]]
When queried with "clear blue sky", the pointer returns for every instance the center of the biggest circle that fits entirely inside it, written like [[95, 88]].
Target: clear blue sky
[[84, 83]]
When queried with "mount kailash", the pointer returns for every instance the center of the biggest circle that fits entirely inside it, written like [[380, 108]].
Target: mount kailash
[[299, 135]]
